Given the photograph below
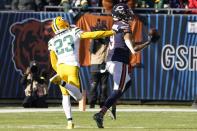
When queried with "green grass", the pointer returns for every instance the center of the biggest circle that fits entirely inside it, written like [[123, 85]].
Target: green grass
[[126, 121]]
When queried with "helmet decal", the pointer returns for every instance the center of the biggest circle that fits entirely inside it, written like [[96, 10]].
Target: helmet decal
[[55, 25], [122, 12]]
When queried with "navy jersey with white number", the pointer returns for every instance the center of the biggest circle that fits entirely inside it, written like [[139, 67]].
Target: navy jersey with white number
[[118, 51]]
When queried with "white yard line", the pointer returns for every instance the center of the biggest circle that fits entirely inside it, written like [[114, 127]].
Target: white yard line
[[61, 127], [18, 110]]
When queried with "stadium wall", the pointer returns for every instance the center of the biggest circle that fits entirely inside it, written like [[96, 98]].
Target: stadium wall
[[168, 69]]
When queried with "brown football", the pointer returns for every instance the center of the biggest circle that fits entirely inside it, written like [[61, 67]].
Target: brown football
[[153, 32], [154, 35]]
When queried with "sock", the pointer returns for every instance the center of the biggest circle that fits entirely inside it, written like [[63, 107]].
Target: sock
[[67, 107], [103, 110], [110, 101], [73, 91]]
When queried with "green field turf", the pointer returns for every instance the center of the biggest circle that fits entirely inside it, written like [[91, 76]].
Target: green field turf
[[126, 121]]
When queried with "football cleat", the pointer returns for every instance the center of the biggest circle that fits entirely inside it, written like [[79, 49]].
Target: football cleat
[[70, 125], [56, 79], [99, 120]]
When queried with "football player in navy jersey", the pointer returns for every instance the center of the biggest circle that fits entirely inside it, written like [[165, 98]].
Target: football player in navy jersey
[[120, 48]]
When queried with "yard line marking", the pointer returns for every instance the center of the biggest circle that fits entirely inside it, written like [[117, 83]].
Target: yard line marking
[[62, 127], [4, 110]]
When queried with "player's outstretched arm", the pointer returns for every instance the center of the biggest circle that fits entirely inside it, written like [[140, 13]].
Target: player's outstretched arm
[[96, 34], [140, 46], [136, 47]]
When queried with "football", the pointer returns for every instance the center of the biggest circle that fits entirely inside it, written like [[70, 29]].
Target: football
[[154, 35]]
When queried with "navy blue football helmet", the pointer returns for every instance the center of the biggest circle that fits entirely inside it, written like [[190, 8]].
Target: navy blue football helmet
[[122, 12]]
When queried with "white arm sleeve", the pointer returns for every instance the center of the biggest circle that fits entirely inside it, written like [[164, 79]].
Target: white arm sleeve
[[130, 46]]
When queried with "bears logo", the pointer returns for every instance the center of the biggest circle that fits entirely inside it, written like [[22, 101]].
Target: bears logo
[[31, 43]]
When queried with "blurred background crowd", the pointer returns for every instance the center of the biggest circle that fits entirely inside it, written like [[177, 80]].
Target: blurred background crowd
[[68, 5]]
